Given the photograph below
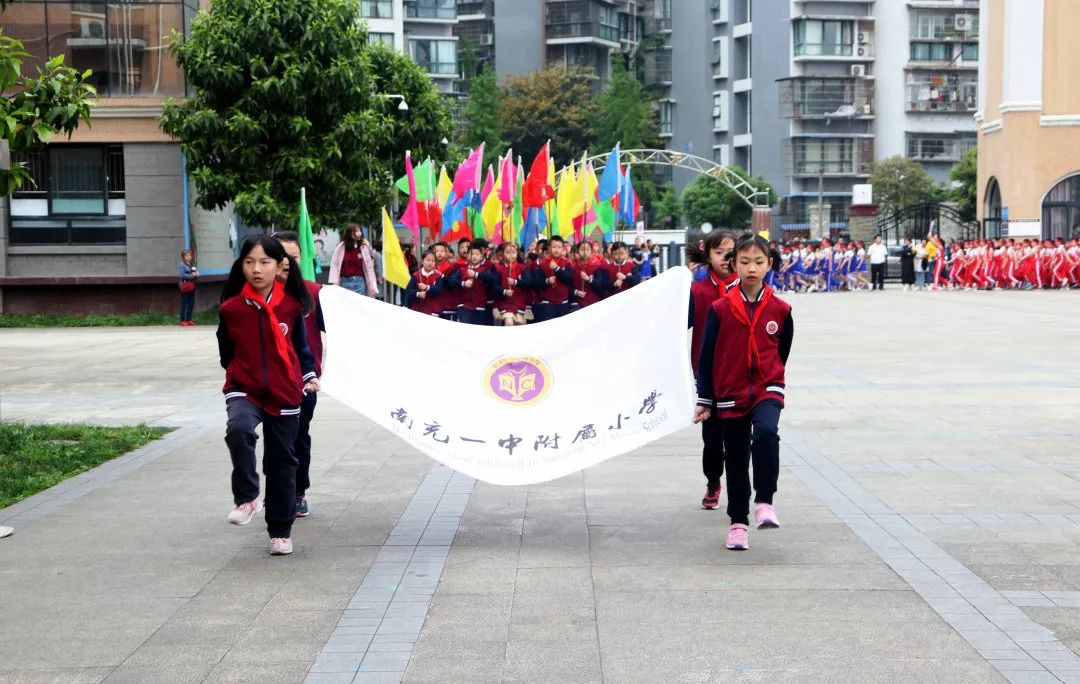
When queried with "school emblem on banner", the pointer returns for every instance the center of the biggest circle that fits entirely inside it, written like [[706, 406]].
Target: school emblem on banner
[[521, 405], [518, 381]]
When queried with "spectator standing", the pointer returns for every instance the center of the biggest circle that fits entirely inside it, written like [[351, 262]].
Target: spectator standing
[[907, 265], [920, 265], [878, 254], [351, 265]]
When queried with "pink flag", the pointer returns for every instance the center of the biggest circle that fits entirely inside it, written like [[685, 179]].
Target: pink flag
[[489, 185], [509, 181], [411, 217], [467, 176]]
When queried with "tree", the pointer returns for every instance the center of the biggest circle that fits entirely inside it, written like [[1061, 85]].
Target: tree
[[287, 94], [554, 104], [55, 101], [965, 177], [483, 123], [901, 182], [708, 200], [666, 207], [625, 114]]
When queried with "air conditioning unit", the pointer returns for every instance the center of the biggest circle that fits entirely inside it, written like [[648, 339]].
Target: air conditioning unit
[[487, 39], [862, 52], [91, 28], [963, 22], [858, 70], [862, 39]]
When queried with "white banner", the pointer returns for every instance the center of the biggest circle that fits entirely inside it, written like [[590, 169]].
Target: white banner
[[518, 405]]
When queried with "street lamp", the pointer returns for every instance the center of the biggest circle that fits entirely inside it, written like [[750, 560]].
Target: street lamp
[[403, 106]]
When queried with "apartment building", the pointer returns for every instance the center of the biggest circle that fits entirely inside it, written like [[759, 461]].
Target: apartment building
[[424, 29]]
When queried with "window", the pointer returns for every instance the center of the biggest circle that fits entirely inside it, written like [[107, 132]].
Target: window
[[77, 181], [666, 108], [971, 52], [123, 44], [943, 25], [1061, 210], [827, 38], [431, 9], [662, 14], [720, 111], [375, 38], [931, 52], [438, 57], [831, 156], [931, 91], [377, 9]]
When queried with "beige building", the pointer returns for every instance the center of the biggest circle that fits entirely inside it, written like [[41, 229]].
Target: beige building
[[1029, 118]]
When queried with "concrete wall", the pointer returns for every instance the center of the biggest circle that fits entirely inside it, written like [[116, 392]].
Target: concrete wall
[[692, 83], [770, 60], [155, 215], [519, 33]]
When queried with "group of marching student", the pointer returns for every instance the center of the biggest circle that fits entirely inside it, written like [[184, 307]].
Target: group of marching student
[[502, 285], [270, 344], [1009, 264], [742, 334]]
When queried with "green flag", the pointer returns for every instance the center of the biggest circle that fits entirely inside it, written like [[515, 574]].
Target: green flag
[[426, 179], [309, 264], [605, 217]]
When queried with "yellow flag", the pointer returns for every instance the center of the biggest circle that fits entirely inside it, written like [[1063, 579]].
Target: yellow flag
[[549, 206], [397, 272], [442, 191], [491, 214], [564, 202]]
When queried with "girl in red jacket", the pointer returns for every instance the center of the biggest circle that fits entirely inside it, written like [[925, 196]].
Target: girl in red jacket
[[511, 299], [703, 293], [740, 380], [268, 368], [424, 292]]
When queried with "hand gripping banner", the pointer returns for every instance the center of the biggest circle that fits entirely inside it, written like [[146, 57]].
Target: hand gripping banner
[[518, 405]]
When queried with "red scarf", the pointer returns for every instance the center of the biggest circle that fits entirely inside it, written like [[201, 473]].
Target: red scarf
[[277, 333], [738, 309]]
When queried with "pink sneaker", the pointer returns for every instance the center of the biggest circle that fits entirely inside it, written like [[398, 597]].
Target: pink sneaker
[[280, 546], [765, 517], [738, 538], [712, 497], [242, 514]]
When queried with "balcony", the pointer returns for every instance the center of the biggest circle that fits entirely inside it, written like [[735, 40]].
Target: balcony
[[938, 148], [437, 57], [829, 155], [560, 32], [943, 92], [947, 26], [431, 10], [827, 98], [833, 39], [658, 68]]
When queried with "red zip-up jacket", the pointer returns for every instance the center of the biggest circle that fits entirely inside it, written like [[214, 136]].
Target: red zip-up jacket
[[516, 302], [431, 304], [595, 290], [253, 368], [561, 270], [475, 298], [627, 268], [702, 295], [314, 326], [744, 349], [451, 295]]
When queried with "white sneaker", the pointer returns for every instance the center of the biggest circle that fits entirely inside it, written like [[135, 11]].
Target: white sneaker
[[280, 546], [242, 514]]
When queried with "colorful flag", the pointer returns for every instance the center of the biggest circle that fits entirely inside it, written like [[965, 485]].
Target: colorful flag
[[536, 189], [467, 176], [509, 181], [309, 264], [397, 271], [424, 176], [612, 178], [442, 188], [411, 217], [489, 185]]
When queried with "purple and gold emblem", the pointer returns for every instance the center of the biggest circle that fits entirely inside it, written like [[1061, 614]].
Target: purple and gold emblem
[[518, 380]]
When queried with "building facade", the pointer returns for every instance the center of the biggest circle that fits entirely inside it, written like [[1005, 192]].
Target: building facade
[[1029, 119], [102, 225]]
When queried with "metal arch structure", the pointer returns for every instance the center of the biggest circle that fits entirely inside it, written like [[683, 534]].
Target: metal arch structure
[[755, 198]]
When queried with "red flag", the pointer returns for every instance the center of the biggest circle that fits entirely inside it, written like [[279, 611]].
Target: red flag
[[536, 189]]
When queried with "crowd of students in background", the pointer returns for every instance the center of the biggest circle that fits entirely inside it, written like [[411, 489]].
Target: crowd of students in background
[[479, 283], [1006, 264]]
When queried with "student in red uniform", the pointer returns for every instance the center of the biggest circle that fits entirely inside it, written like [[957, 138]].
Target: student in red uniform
[[268, 367], [556, 278], [512, 287], [591, 283], [623, 271], [703, 293], [314, 327], [424, 292], [444, 262], [478, 278], [740, 379]]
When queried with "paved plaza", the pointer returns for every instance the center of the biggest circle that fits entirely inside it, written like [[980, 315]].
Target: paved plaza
[[929, 496]]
